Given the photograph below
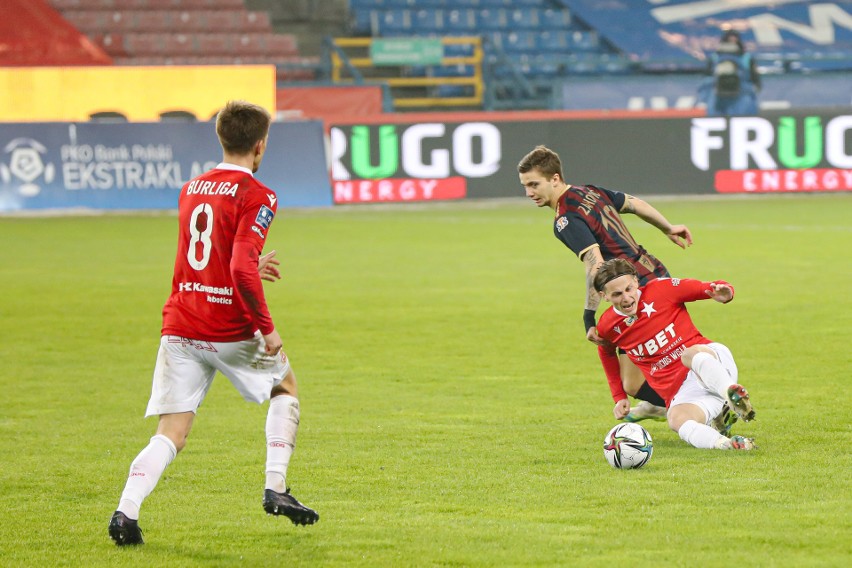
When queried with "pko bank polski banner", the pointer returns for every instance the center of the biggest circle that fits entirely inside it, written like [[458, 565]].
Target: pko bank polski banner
[[143, 166]]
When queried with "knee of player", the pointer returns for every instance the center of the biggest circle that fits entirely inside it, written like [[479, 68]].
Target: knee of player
[[689, 354]]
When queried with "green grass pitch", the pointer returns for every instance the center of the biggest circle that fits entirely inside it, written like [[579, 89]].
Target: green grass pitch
[[452, 411]]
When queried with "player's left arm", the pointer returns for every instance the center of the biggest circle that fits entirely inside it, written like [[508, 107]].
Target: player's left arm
[[681, 290], [678, 234]]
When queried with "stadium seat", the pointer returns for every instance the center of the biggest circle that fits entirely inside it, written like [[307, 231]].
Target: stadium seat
[[459, 21], [558, 19], [361, 22], [491, 19], [458, 50], [524, 19], [551, 41], [584, 41], [428, 21], [391, 21], [517, 41]]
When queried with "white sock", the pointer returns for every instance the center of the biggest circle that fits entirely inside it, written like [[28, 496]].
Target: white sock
[[282, 422], [699, 435], [712, 374], [145, 472]]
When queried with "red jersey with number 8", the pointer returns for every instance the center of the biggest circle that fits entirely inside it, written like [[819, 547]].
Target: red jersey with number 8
[[224, 216]]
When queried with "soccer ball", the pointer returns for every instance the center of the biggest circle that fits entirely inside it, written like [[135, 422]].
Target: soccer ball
[[628, 446]]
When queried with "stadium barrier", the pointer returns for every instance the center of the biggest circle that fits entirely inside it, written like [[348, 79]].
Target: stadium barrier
[[143, 166], [472, 155]]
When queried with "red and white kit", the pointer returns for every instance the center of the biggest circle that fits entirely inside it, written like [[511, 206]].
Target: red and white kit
[[656, 337]]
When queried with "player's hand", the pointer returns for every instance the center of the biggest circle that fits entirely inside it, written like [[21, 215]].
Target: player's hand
[[720, 292], [273, 343], [621, 409], [267, 267], [592, 335], [680, 235]]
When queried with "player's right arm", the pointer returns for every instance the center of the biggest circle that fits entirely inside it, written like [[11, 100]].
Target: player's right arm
[[577, 236], [678, 234], [592, 260]]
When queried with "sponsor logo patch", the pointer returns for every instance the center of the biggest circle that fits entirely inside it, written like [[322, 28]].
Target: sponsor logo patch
[[264, 217], [561, 223]]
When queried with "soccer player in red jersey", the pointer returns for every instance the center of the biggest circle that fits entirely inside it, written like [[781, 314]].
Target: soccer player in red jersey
[[588, 222], [216, 319], [694, 375]]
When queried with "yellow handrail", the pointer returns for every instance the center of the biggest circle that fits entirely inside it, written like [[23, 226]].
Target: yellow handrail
[[361, 62]]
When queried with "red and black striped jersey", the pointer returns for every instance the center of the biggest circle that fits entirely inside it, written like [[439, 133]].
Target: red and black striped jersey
[[588, 216]]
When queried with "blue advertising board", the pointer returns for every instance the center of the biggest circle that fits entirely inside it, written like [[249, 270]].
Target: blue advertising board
[[143, 166]]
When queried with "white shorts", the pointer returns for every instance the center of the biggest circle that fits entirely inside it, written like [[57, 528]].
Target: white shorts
[[693, 391], [185, 369]]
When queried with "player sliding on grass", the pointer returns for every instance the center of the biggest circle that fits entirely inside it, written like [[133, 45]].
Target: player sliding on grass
[[695, 376], [588, 222], [216, 319]]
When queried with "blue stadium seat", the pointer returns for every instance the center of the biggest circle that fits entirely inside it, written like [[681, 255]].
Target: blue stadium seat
[[428, 21], [584, 41], [451, 71], [459, 21], [400, 4], [553, 41], [491, 19], [524, 19], [556, 19], [458, 50], [366, 5], [517, 41], [360, 22], [391, 21]]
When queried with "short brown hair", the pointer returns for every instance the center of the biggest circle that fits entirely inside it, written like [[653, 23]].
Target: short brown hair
[[542, 159], [612, 269], [240, 125]]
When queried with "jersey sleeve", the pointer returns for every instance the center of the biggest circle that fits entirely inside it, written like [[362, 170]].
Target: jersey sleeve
[[682, 290], [574, 233], [248, 285], [612, 369], [256, 216], [609, 357], [618, 198]]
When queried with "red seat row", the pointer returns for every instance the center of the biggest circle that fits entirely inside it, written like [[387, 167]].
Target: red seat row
[[100, 21], [196, 44], [146, 4]]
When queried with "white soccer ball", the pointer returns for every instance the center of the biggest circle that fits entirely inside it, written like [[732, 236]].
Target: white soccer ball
[[628, 446]]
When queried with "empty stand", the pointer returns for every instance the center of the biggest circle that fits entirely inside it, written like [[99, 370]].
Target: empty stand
[[186, 32]]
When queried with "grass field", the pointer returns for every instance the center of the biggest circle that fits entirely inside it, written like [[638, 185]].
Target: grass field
[[452, 411]]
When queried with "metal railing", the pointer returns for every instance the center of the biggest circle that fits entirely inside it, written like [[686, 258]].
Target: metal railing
[[351, 62]]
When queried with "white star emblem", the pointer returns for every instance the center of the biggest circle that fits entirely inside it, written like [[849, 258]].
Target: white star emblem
[[648, 309]]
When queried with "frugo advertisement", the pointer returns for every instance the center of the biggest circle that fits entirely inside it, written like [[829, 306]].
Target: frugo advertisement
[[781, 152]]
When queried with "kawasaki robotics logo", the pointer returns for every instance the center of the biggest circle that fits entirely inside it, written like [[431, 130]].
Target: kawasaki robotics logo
[[22, 166], [793, 154]]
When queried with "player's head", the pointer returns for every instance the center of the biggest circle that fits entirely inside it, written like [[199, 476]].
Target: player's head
[[540, 173], [618, 283], [243, 128]]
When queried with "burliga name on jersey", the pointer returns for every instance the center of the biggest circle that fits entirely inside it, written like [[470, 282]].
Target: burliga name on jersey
[[203, 187]]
